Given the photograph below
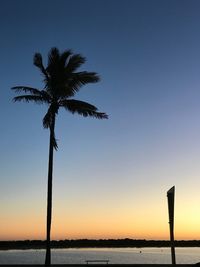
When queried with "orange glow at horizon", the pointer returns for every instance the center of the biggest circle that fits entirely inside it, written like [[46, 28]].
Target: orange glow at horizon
[[108, 218], [97, 227]]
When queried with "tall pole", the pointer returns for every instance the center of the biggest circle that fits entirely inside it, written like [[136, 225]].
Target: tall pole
[[170, 196]]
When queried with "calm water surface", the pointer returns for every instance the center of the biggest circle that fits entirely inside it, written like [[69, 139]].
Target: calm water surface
[[114, 255]]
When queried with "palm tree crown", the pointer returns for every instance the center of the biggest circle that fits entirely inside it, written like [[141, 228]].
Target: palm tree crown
[[61, 83]]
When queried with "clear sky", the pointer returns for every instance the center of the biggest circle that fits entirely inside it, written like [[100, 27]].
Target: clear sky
[[110, 176]]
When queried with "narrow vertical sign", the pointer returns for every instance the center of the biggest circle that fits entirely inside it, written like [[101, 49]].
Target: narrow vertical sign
[[170, 196]]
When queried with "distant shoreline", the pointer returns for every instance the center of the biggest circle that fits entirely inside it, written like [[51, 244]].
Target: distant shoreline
[[92, 243]]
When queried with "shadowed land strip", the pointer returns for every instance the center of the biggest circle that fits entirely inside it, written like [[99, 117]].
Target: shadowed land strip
[[91, 243]]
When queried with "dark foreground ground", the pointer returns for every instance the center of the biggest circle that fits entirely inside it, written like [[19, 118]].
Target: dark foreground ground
[[101, 265]]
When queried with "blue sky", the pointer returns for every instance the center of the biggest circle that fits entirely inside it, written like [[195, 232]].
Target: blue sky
[[147, 54]]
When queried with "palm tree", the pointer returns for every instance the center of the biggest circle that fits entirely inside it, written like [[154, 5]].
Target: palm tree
[[61, 83]]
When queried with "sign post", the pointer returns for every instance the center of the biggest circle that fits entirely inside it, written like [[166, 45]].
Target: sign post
[[170, 196]]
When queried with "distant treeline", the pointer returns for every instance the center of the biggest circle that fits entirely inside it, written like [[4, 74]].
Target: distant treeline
[[92, 243]]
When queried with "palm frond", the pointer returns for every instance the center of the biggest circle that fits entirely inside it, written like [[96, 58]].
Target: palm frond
[[82, 108], [37, 61], [51, 112], [26, 89], [74, 63], [53, 60], [64, 57], [47, 122], [77, 80], [30, 98], [46, 95], [55, 144], [35, 92]]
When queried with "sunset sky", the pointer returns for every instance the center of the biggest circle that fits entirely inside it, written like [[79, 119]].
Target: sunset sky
[[110, 176]]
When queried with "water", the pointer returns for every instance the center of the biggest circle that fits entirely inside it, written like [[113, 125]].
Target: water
[[114, 255]]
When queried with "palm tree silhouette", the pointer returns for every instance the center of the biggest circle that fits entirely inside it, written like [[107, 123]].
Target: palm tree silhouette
[[61, 83]]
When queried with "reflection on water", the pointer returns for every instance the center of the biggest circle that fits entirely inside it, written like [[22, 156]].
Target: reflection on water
[[114, 255]]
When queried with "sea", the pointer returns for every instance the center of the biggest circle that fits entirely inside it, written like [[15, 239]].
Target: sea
[[114, 255]]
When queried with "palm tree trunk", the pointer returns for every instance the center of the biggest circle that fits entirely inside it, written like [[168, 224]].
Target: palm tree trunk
[[49, 195]]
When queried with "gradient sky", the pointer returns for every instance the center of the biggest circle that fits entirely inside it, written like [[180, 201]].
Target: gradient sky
[[110, 176]]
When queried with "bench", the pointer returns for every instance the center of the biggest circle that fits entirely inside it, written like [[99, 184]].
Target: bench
[[97, 261]]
